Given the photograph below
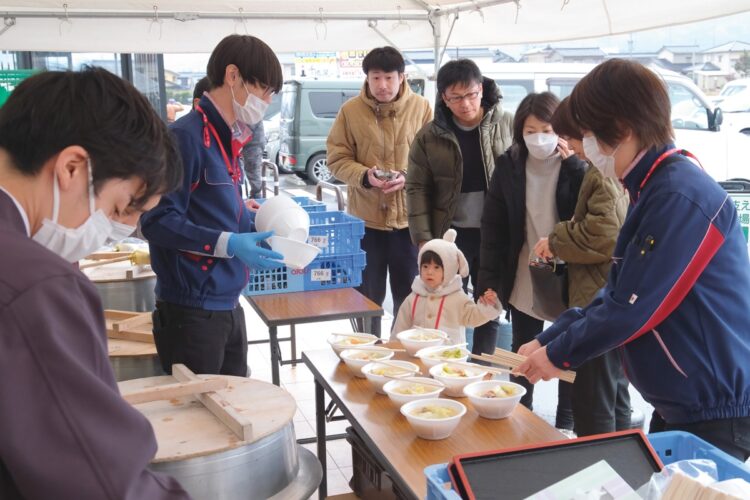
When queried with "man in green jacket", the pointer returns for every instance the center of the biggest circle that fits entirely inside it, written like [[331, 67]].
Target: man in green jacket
[[450, 164]]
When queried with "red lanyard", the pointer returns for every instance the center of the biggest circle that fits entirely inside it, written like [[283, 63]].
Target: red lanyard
[[235, 172], [440, 310], [658, 161]]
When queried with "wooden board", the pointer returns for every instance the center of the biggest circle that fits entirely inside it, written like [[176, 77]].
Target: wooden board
[[241, 425], [117, 348], [184, 428], [127, 325]]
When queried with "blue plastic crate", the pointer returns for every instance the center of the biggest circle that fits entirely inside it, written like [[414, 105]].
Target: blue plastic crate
[[437, 477], [325, 272], [673, 446], [308, 204], [336, 232]]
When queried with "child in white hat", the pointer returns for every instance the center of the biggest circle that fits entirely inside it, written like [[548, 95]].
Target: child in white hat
[[438, 299]]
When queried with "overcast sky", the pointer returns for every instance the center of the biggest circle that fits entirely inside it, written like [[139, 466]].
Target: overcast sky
[[705, 34]]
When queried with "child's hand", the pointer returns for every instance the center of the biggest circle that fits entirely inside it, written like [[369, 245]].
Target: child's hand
[[489, 298]]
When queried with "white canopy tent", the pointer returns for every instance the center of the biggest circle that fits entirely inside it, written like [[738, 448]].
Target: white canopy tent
[[176, 26]]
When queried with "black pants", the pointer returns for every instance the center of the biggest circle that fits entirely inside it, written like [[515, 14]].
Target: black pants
[[731, 435], [205, 341], [485, 336], [525, 328], [388, 252], [601, 401]]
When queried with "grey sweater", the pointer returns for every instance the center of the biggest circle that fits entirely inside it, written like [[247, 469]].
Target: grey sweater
[[541, 217]]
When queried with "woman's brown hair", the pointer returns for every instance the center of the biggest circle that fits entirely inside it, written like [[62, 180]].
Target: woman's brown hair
[[563, 122], [619, 96]]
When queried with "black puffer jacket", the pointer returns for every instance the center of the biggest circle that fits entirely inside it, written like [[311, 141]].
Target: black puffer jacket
[[504, 217]]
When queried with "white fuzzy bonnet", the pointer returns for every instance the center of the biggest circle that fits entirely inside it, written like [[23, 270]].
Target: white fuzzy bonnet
[[453, 259]]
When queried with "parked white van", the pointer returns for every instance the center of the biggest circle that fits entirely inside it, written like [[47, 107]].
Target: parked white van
[[725, 154]]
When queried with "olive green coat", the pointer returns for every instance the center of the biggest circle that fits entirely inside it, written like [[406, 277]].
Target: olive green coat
[[587, 241], [433, 181]]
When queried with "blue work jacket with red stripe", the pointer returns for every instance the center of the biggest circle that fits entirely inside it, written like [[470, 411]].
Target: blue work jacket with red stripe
[[184, 228], [677, 302]]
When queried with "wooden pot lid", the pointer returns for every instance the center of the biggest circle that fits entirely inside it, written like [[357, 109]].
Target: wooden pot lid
[[118, 271], [121, 348], [184, 428]]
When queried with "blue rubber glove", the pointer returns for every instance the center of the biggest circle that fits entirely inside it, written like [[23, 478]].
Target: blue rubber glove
[[246, 247]]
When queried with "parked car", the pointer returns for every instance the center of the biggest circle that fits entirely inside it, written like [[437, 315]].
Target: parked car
[[308, 108], [734, 101]]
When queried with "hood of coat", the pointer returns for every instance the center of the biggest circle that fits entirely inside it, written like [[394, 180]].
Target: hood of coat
[[491, 102], [388, 108], [420, 288]]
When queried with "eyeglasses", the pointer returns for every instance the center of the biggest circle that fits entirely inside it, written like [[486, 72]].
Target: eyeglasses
[[458, 98]]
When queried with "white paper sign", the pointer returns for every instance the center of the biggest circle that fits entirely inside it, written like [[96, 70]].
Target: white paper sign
[[320, 275], [318, 241]]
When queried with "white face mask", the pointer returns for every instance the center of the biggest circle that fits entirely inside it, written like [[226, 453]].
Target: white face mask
[[541, 145], [605, 163], [75, 244], [253, 110]]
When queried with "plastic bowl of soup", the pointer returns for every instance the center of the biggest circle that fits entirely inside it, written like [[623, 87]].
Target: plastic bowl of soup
[[456, 378], [412, 389], [379, 374], [432, 356], [494, 398], [340, 342], [418, 338], [355, 359], [433, 418]]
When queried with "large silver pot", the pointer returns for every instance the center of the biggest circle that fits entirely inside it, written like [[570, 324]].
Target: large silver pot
[[130, 367], [124, 287], [210, 462], [274, 467]]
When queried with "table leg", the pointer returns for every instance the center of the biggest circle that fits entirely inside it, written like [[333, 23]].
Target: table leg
[[320, 428], [275, 355], [375, 326], [294, 344]]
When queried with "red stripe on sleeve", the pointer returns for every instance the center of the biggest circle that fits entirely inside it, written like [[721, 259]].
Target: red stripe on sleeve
[[711, 243]]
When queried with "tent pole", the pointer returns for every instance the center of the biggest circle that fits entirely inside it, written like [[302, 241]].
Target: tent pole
[[373, 25]]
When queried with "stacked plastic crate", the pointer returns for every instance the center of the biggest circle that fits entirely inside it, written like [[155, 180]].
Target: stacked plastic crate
[[339, 264]]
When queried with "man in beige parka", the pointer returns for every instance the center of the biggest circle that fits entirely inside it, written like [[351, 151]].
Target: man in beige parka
[[368, 149]]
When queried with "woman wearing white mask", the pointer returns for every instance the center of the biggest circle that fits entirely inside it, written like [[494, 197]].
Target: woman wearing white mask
[[532, 188], [82, 155], [676, 301], [202, 237]]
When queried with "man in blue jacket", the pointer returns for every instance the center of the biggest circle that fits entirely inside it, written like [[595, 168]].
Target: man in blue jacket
[[678, 296], [201, 237]]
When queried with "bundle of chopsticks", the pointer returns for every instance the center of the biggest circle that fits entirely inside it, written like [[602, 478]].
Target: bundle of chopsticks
[[514, 360]]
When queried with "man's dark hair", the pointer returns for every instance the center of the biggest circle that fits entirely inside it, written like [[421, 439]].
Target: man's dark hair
[[385, 59], [430, 257], [255, 60], [98, 111], [203, 85], [541, 105], [463, 71], [466, 73]]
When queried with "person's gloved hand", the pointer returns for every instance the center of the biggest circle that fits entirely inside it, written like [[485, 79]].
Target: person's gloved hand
[[245, 246]]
